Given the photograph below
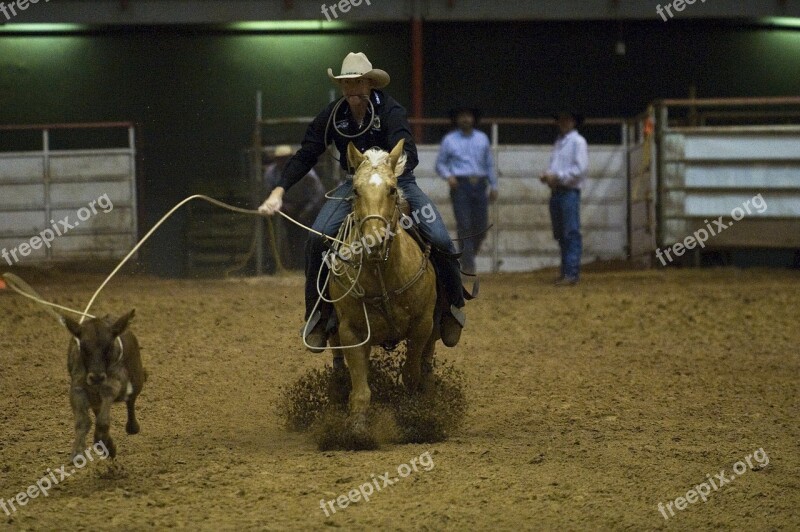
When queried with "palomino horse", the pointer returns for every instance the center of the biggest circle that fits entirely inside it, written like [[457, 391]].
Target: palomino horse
[[383, 285]]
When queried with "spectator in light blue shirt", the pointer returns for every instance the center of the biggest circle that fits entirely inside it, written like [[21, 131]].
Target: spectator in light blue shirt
[[569, 164], [465, 161]]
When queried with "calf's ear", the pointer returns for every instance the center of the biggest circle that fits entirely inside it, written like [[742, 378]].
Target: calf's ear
[[121, 324], [72, 326]]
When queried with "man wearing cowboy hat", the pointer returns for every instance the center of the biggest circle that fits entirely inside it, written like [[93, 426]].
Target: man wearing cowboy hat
[[569, 163], [367, 117], [465, 161]]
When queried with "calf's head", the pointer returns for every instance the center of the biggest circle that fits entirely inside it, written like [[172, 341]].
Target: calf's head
[[98, 347]]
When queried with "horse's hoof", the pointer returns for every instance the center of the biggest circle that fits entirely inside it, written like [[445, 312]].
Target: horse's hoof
[[132, 427], [358, 424], [360, 438]]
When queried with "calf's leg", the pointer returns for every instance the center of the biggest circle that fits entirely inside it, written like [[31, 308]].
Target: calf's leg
[[80, 407], [132, 426], [102, 426]]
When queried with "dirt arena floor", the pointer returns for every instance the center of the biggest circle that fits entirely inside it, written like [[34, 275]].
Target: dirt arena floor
[[589, 406]]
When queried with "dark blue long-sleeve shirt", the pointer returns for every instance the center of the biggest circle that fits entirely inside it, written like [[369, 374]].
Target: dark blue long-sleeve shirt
[[388, 127]]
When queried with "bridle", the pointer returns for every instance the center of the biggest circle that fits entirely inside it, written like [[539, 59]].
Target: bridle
[[390, 229]]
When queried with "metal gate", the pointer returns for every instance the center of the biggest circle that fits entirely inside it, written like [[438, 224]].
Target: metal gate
[[736, 185], [67, 204]]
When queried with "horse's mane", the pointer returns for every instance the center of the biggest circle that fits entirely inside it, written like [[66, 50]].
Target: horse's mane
[[377, 157]]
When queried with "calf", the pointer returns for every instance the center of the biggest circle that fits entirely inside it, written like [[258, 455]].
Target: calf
[[105, 367]]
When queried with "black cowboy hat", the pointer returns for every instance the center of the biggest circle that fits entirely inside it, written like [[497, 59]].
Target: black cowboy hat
[[575, 115], [476, 113]]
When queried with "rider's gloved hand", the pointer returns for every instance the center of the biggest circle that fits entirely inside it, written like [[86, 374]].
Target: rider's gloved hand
[[273, 203]]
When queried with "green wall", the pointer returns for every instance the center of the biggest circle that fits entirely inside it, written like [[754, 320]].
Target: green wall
[[192, 96], [191, 92]]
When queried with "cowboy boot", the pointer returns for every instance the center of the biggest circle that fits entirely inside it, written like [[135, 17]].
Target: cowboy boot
[[315, 333], [450, 326]]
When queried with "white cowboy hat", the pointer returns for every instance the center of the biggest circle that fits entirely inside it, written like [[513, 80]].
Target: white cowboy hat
[[356, 65]]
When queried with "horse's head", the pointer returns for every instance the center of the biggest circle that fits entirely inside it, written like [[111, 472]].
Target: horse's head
[[376, 196]]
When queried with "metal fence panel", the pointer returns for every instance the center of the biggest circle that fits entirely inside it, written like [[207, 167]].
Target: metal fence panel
[[93, 191]]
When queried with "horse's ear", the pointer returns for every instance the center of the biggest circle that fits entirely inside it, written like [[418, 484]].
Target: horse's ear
[[397, 158], [354, 157]]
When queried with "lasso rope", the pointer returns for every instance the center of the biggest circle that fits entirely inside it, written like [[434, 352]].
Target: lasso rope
[[347, 228], [25, 290], [22, 288]]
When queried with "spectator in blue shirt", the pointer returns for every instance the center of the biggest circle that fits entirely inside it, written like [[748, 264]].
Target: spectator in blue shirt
[[569, 164], [465, 161]]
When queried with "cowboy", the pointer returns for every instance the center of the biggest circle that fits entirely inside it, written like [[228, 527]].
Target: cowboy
[[569, 164], [465, 162], [367, 117]]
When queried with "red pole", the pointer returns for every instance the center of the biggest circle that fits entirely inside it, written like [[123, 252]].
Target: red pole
[[416, 77]]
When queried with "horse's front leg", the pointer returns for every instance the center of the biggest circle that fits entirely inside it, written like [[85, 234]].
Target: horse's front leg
[[338, 382], [427, 364], [358, 363]]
